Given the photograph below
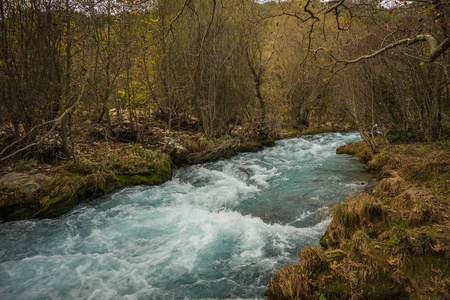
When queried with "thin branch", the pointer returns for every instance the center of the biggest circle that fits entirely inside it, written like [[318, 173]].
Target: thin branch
[[334, 6], [56, 121], [186, 3], [202, 43], [435, 49], [311, 14]]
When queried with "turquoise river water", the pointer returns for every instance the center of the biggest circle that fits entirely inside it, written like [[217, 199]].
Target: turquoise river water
[[216, 231]]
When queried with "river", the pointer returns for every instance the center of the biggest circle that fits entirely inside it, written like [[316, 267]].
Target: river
[[215, 231]]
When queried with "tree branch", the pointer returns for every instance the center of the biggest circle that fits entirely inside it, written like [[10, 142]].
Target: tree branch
[[334, 6], [438, 49], [435, 49], [56, 122], [186, 3]]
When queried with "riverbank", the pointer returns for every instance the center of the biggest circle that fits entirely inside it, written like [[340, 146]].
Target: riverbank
[[36, 190], [216, 230], [393, 243]]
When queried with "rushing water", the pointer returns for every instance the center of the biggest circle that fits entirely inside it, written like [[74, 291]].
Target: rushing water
[[217, 230]]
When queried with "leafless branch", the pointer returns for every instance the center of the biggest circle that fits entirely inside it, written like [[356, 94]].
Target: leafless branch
[[335, 6], [435, 49], [186, 3], [55, 122]]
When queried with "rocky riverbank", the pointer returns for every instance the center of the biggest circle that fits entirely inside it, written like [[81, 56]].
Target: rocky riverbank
[[393, 243], [31, 190]]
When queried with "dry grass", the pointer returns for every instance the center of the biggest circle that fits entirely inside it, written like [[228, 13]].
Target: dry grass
[[391, 186], [441, 248], [360, 212], [385, 250], [404, 201], [360, 149], [349, 271], [198, 145], [362, 250], [423, 213], [399, 278], [289, 283], [440, 279], [420, 163], [313, 259]]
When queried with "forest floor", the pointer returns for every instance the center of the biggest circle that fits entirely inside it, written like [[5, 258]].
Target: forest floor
[[47, 185], [392, 243]]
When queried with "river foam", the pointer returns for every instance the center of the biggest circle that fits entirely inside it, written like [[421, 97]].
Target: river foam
[[216, 231]]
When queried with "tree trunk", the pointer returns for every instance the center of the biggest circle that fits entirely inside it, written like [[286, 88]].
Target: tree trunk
[[66, 134]]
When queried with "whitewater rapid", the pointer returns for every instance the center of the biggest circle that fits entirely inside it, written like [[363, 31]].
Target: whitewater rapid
[[215, 231]]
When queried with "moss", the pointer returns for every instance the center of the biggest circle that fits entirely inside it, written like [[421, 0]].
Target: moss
[[19, 208], [327, 242], [251, 146], [151, 179], [230, 153], [268, 142], [291, 135], [207, 157], [114, 185], [57, 206], [69, 189], [22, 214], [225, 137], [360, 149]]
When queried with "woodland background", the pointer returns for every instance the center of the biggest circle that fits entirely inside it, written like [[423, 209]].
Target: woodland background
[[115, 68]]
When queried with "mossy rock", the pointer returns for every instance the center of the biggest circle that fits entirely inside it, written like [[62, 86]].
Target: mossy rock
[[269, 142], [208, 157], [292, 135], [265, 139], [94, 188], [180, 160], [25, 213], [114, 185], [252, 146], [360, 149], [230, 153], [58, 206], [17, 208], [146, 179]]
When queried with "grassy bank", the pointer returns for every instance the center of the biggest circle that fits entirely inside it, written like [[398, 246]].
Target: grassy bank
[[103, 171], [104, 167], [391, 244]]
